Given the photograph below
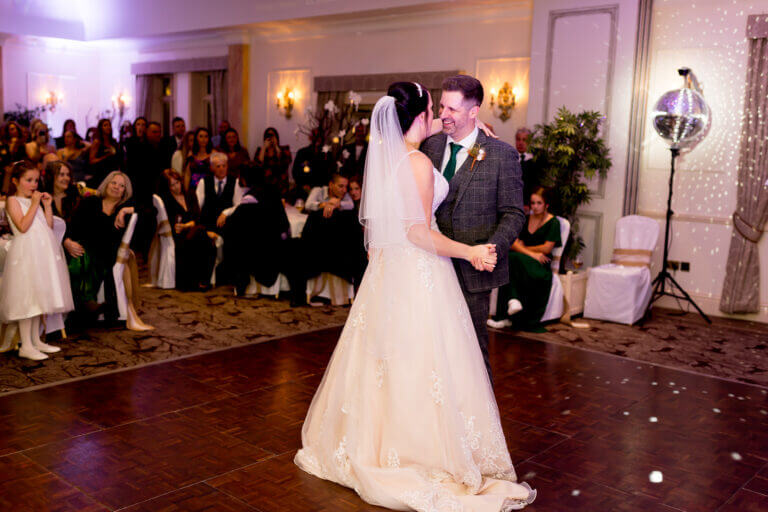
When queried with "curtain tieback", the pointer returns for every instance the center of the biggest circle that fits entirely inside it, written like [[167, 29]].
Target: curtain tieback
[[746, 229], [632, 257]]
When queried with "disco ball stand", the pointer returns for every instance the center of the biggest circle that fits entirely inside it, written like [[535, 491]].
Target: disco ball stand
[[681, 117]]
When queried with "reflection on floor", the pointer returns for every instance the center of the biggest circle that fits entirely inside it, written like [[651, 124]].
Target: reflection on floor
[[218, 432]]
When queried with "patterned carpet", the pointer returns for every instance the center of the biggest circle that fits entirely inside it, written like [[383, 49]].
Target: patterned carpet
[[192, 323], [732, 349], [185, 323]]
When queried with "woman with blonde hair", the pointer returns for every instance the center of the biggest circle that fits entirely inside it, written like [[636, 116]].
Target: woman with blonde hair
[[92, 240]]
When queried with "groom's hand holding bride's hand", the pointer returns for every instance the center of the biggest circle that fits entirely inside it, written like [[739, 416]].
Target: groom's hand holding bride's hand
[[483, 257]]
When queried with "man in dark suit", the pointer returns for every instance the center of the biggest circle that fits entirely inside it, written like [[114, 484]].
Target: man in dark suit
[[531, 172], [355, 153], [485, 198]]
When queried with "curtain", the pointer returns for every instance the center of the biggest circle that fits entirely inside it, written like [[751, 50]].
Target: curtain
[[741, 290], [145, 93], [218, 97]]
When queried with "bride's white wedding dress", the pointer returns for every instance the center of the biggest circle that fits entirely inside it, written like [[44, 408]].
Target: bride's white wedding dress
[[405, 414]]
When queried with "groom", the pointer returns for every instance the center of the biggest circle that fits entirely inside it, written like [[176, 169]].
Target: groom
[[485, 199]]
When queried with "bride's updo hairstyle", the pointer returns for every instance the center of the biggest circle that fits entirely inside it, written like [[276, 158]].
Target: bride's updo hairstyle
[[411, 99]]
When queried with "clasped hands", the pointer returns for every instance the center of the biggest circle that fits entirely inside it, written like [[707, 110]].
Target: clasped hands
[[483, 257], [330, 206]]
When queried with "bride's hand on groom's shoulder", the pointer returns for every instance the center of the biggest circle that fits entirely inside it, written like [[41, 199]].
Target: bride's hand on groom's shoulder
[[486, 129]]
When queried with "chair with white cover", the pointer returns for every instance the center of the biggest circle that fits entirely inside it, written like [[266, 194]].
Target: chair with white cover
[[332, 287], [55, 321], [555, 302], [118, 270], [620, 291], [219, 243], [162, 253]]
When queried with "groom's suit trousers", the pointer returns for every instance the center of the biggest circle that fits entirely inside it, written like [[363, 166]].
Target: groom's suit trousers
[[479, 304]]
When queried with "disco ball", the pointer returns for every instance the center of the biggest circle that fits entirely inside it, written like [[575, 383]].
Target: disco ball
[[680, 116]]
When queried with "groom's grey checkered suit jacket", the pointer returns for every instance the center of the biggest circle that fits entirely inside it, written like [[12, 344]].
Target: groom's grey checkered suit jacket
[[484, 205]]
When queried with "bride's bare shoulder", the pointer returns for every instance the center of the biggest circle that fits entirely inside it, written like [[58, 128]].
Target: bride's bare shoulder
[[420, 163]]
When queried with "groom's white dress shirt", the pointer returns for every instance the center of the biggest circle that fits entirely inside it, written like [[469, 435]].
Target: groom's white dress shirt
[[461, 156]]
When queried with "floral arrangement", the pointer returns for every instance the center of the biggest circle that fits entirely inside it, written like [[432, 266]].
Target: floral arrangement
[[335, 125]]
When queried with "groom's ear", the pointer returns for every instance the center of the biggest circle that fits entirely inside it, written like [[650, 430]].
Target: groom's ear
[[474, 111]]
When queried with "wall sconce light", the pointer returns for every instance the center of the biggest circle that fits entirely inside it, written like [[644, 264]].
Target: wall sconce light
[[504, 100], [52, 99], [120, 104], [285, 101]]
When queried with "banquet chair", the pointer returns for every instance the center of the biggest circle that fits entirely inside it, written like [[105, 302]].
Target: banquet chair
[[555, 302], [55, 322], [162, 252], [256, 288], [621, 290], [330, 286], [219, 243], [118, 271]]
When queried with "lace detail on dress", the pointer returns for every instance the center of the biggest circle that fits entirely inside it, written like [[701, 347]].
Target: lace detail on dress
[[424, 265], [341, 459], [437, 389], [470, 442], [519, 504], [494, 459], [393, 459], [359, 319], [432, 500]]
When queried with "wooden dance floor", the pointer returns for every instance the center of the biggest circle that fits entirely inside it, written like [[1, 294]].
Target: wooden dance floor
[[218, 431]]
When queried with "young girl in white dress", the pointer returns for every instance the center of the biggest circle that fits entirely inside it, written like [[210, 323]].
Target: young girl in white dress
[[35, 280]]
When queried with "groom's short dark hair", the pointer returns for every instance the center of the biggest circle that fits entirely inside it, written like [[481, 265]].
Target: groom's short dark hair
[[470, 87]]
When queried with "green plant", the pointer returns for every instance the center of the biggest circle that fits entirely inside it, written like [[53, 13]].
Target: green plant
[[570, 151], [24, 115]]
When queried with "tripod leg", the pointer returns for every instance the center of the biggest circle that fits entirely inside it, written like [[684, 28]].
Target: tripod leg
[[689, 299]]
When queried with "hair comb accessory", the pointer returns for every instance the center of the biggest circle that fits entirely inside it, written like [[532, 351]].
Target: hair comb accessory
[[418, 86]]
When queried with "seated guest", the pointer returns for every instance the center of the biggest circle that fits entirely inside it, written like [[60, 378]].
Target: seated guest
[[274, 159], [237, 155], [331, 234], [39, 146], [92, 239], [181, 155], [354, 163], [217, 193], [75, 153], [218, 139], [69, 126], [66, 198], [198, 165], [522, 302], [105, 154], [12, 149], [356, 190], [310, 168], [194, 246], [331, 197], [256, 233]]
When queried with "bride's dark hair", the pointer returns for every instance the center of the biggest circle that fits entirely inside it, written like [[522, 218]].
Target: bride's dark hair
[[410, 100]]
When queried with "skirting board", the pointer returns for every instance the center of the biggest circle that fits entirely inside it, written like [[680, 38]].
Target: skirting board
[[711, 306]]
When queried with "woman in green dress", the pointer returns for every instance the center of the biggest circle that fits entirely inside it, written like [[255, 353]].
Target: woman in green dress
[[522, 302]]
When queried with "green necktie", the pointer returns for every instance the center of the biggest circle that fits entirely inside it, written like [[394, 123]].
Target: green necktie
[[450, 169]]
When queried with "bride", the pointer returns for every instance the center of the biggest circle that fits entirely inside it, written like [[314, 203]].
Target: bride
[[405, 414]]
